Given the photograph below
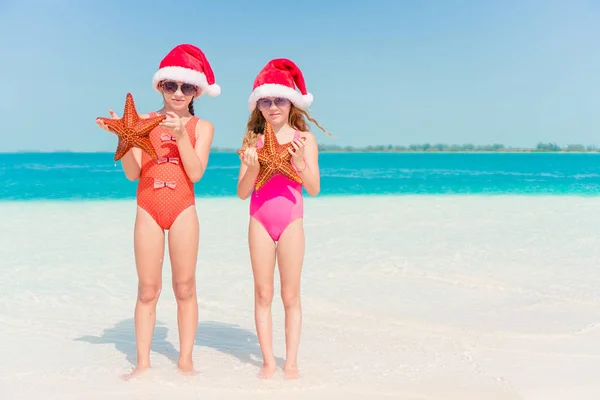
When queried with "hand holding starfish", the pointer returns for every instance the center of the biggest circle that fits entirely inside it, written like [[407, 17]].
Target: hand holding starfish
[[297, 153], [250, 158], [131, 130], [273, 159], [101, 123]]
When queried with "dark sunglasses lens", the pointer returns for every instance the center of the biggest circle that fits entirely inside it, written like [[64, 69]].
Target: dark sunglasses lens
[[188, 89], [169, 87]]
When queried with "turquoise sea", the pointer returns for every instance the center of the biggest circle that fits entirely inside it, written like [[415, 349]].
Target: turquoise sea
[[93, 176]]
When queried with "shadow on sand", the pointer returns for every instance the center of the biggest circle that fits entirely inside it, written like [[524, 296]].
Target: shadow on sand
[[233, 340], [229, 339], [122, 336]]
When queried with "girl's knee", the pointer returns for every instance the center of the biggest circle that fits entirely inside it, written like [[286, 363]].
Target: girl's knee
[[290, 298], [185, 289], [264, 295], [148, 293]]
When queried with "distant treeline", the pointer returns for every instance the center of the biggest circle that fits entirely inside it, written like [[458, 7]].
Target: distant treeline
[[441, 147], [432, 148]]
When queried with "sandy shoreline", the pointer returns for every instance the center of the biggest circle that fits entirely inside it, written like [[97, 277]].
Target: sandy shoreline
[[404, 298]]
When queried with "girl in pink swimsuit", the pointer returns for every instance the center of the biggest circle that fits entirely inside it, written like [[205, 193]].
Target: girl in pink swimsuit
[[276, 230], [165, 198]]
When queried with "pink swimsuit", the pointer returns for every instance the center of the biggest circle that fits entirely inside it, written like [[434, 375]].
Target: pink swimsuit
[[277, 203]]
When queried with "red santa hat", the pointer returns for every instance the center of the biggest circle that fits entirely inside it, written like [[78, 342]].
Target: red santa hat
[[187, 63], [280, 78]]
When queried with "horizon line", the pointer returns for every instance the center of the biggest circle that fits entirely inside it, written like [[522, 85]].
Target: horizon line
[[424, 147]]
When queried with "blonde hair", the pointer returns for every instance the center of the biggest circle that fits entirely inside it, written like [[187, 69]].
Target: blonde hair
[[256, 124]]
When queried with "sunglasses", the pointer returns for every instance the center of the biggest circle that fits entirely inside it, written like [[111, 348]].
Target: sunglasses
[[264, 104], [171, 87]]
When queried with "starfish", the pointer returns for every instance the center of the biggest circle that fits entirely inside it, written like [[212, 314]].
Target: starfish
[[274, 159], [132, 130]]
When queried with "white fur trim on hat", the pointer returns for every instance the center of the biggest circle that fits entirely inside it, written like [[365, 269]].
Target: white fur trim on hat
[[213, 90], [276, 90], [186, 75], [308, 98]]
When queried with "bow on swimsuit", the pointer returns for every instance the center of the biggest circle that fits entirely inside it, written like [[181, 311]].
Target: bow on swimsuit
[[164, 189], [277, 203]]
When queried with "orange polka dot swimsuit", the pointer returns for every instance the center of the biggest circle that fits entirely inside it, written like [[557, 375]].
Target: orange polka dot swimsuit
[[164, 189]]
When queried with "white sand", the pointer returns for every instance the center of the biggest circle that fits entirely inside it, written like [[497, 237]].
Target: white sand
[[425, 298]]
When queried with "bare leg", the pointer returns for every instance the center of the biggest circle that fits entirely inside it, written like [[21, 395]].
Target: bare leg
[[183, 249], [262, 257], [149, 247], [290, 257]]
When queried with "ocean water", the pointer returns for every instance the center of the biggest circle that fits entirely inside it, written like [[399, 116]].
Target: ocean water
[[93, 176]]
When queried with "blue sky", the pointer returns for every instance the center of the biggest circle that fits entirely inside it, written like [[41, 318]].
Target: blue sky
[[382, 72]]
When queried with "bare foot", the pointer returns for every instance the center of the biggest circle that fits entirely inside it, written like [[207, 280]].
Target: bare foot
[[267, 371], [186, 367], [291, 372], [135, 372]]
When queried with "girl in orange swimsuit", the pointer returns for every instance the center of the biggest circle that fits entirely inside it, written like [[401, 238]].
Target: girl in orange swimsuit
[[276, 229], [165, 198]]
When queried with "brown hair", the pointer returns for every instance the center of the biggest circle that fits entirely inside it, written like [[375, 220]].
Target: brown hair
[[256, 124]]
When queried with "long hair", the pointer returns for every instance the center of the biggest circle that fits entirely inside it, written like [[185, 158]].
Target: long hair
[[256, 124]]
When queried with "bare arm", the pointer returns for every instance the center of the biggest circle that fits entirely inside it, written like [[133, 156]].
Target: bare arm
[[249, 169], [309, 169], [246, 180], [195, 159], [132, 163], [132, 160]]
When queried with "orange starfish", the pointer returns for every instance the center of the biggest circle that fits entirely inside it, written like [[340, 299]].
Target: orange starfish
[[132, 130], [274, 159]]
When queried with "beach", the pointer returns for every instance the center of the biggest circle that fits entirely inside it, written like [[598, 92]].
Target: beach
[[404, 297]]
